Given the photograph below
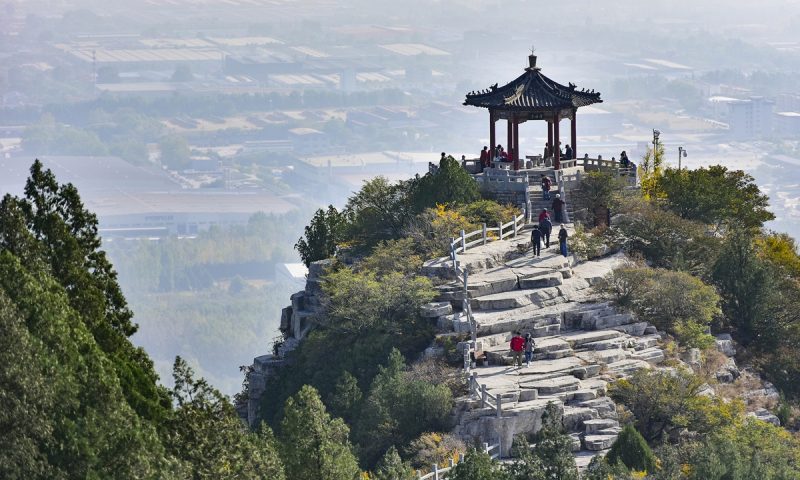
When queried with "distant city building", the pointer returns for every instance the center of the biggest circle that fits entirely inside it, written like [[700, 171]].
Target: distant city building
[[747, 118], [291, 273]]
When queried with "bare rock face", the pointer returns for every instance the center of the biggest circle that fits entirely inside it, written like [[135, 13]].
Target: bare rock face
[[765, 416], [724, 344]]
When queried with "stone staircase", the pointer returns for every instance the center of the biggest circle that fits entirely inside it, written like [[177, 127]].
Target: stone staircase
[[582, 344]]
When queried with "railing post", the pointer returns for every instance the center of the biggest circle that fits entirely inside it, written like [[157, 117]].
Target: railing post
[[465, 282], [499, 405], [500, 228], [452, 463], [515, 227], [484, 396], [435, 471], [467, 362], [485, 447], [463, 242], [419, 474], [483, 226]]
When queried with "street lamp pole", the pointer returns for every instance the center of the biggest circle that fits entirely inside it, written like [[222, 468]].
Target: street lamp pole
[[656, 134], [681, 153]]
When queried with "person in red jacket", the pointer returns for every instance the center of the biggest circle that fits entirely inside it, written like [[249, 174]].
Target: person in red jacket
[[484, 158], [543, 215], [517, 348]]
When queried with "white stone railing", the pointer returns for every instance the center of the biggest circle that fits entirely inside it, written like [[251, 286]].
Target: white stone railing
[[460, 245], [441, 473]]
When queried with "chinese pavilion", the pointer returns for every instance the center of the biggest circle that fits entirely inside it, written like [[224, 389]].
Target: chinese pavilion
[[533, 96]]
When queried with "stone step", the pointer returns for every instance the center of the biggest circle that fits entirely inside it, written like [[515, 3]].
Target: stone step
[[610, 431], [541, 281], [600, 322], [515, 299], [539, 326], [627, 367], [555, 385], [573, 418], [636, 329], [603, 357], [583, 395], [555, 354], [653, 355], [646, 341], [587, 371], [579, 338], [595, 425], [611, 343], [604, 406], [598, 442]]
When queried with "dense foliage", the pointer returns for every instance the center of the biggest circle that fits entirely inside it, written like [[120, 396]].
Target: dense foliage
[[80, 401], [382, 211], [675, 302]]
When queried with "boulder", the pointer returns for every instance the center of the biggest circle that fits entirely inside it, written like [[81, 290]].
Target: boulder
[[765, 416], [724, 344], [436, 309]]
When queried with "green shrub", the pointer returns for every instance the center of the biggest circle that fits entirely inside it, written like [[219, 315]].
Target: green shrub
[[631, 449], [675, 302]]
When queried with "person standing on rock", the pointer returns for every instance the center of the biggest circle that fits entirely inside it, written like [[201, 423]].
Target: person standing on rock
[[529, 346], [536, 241], [517, 347], [558, 208], [547, 228], [562, 240]]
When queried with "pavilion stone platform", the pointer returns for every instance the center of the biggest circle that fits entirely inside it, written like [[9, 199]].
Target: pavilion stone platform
[[582, 343]]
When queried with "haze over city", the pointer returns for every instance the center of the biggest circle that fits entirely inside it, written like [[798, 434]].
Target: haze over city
[[204, 134]]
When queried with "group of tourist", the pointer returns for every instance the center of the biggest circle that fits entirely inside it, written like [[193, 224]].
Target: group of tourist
[[520, 345], [541, 234], [495, 156], [549, 152]]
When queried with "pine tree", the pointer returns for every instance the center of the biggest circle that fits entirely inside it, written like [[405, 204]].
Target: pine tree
[[392, 467], [209, 437], [314, 445], [554, 448], [631, 449]]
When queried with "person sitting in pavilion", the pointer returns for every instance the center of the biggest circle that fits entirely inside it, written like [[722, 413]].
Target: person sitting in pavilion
[[568, 153], [548, 151]]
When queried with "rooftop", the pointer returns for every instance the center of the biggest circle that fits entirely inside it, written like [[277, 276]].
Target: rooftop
[[532, 91]]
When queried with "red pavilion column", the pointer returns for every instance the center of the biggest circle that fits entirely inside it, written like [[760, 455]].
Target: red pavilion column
[[492, 143], [556, 143], [516, 144], [550, 133], [574, 133], [510, 140]]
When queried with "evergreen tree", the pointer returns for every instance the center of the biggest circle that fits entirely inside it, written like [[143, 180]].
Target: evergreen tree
[[314, 445], [51, 226], [449, 185], [392, 467], [208, 436], [631, 449], [553, 447], [321, 236], [526, 466], [477, 465]]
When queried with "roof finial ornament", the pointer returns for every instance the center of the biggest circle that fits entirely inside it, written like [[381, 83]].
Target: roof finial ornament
[[532, 59]]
